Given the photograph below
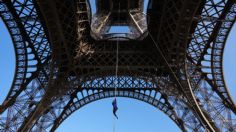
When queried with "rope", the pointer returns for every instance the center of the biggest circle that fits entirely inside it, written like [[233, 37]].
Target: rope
[[167, 63], [117, 61], [116, 79], [116, 72], [173, 73]]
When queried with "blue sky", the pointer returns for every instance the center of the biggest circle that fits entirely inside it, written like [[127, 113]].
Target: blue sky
[[134, 116]]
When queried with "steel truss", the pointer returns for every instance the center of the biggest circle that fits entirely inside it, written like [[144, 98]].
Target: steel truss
[[52, 80]]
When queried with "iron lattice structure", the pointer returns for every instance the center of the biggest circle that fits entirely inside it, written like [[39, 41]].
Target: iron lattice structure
[[66, 58]]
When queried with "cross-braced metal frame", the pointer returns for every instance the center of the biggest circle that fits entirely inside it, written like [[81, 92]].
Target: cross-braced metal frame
[[176, 67]]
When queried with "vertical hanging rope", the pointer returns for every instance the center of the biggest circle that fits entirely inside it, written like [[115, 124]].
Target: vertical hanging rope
[[116, 72], [116, 80], [117, 64]]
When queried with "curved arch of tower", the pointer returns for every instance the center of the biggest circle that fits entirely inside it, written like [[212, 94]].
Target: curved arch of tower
[[170, 57]]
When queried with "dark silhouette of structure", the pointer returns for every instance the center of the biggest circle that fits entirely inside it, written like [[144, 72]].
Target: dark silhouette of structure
[[171, 58]]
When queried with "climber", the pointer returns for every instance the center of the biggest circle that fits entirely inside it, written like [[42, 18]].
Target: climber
[[115, 108]]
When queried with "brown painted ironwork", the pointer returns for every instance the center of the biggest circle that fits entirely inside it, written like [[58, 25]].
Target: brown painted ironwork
[[65, 59]]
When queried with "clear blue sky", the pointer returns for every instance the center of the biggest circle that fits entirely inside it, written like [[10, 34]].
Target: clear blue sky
[[134, 116]]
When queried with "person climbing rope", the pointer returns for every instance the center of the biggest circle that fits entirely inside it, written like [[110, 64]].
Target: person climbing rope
[[115, 108]]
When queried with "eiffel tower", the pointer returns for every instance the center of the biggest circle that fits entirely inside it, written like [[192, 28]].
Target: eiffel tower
[[170, 57]]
